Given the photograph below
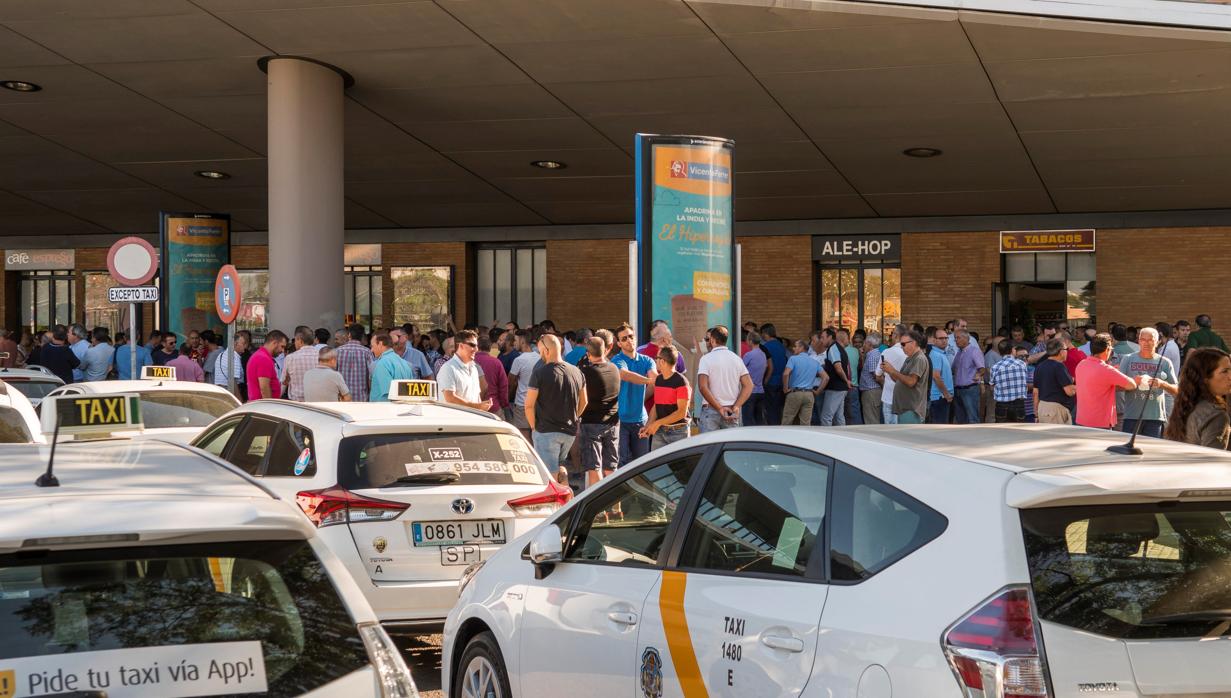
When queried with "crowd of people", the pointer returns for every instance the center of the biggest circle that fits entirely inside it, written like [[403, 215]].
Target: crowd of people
[[592, 400]]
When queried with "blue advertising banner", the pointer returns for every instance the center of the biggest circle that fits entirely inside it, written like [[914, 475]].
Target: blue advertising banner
[[685, 243], [194, 247]]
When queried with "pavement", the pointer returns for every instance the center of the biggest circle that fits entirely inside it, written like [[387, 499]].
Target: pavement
[[422, 655]]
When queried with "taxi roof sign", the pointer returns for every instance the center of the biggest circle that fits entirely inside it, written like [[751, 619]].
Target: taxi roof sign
[[158, 373], [91, 414], [413, 391]]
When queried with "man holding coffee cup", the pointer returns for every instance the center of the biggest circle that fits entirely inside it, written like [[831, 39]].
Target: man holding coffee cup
[[1148, 403]]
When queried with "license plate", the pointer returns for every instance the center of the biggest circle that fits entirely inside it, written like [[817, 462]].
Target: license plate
[[459, 554], [429, 533]]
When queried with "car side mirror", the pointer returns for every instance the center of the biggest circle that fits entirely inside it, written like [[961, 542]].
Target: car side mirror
[[546, 549]]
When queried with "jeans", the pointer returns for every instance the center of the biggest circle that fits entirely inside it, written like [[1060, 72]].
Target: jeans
[[632, 446], [909, 417], [798, 407], [600, 446], [666, 435], [832, 402], [938, 411], [966, 402], [854, 411], [711, 420], [775, 402], [887, 413], [1149, 427], [1013, 411], [754, 410], [552, 447]]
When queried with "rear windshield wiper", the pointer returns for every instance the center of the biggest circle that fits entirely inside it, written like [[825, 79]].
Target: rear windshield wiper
[[442, 478], [1212, 616]]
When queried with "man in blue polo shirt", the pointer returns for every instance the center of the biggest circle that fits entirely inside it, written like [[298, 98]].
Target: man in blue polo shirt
[[775, 398], [636, 372]]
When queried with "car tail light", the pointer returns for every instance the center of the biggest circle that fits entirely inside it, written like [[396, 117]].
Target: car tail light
[[994, 650], [542, 503], [392, 674], [335, 505]]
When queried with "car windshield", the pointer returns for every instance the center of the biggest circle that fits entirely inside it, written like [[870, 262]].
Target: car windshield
[[33, 389], [1132, 571], [265, 609], [390, 460], [13, 429], [161, 409]]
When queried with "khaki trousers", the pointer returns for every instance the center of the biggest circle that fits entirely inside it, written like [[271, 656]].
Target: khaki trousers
[[1054, 413], [798, 407], [871, 403]]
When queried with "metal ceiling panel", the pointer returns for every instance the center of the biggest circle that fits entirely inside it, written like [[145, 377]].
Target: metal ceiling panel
[[352, 28], [127, 39], [516, 21]]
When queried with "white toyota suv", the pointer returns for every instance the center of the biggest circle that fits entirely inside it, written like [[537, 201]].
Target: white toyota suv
[[964, 562], [154, 569], [406, 494]]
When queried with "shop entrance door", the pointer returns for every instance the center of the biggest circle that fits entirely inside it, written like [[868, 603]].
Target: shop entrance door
[[1045, 287]]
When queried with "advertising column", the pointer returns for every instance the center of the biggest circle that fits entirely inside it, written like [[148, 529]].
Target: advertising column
[[685, 244], [194, 247]]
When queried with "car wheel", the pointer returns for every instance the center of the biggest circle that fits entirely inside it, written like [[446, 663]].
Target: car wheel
[[482, 672]]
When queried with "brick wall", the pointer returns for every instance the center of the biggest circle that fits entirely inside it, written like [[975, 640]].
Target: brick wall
[[1144, 276], [950, 275], [403, 254], [587, 283], [777, 283]]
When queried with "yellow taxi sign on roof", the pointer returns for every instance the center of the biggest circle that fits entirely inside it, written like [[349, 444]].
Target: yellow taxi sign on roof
[[92, 414], [158, 373], [413, 391]]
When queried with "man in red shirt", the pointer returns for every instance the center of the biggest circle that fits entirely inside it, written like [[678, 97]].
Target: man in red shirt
[[497, 381], [1074, 356], [262, 373], [1096, 386]]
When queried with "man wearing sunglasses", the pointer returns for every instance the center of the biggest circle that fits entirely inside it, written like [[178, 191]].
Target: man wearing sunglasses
[[910, 389], [460, 378], [636, 372]]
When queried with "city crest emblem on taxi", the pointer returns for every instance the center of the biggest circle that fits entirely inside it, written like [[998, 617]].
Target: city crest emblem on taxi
[[380, 544], [651, 673], [8, 683]]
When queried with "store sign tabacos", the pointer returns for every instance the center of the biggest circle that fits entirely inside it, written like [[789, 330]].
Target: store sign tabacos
[[1013, 241], [40, 260]]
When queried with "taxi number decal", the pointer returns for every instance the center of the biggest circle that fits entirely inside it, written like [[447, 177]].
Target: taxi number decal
[[445, 453]]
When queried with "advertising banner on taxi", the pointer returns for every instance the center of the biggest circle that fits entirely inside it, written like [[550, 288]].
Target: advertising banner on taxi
[[194, 247], [686, 247]]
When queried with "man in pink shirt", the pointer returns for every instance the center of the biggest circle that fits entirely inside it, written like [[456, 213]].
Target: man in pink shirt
[[261, 372], [1096, 386], [186, 369]]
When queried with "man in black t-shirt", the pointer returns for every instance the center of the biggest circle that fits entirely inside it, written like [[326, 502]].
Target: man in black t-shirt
[[555, 399], [1053, 387], [58, 356], [600, 422]]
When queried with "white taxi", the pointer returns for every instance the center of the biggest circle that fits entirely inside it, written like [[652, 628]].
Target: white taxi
[[172, 409], [971, 562], [34, 382], [19, 422], [407, 494], [136, 568]]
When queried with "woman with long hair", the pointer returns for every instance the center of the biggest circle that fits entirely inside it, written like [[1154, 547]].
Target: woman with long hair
[[1200, 414]]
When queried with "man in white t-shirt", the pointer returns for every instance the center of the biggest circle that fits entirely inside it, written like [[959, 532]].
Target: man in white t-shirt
[[519, 377], [896, 357], [723, 381]]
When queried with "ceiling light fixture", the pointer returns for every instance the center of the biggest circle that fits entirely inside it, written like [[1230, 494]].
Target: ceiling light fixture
[[549, 164], [212, 174], [20, 86], [922, 152]]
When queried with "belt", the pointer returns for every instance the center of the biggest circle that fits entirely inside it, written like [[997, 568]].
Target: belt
[[970, 385], [680, 425], [800, 390]]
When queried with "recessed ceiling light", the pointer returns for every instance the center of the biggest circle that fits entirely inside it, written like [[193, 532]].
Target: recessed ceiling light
[[549, 164], [20, 86], [922, 152], [212, 174]]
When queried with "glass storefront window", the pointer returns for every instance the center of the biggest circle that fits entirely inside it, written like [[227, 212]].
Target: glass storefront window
[[47, 298], [254, 315], [422, 296], [860, 297], [364, 294], [511, 284]]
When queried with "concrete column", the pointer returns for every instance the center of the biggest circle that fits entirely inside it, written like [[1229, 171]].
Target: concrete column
[[306, 225]]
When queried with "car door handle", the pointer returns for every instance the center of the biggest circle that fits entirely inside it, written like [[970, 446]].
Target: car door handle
[[623, 618], [786, 644]]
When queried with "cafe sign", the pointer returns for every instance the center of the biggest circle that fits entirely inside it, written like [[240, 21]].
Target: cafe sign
[[40, 260], [1013, 241]]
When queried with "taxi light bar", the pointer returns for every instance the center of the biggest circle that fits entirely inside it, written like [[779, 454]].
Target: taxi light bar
[[413, 391], [993, 651], [335, 505], [158, 373], [542, 503], [91, 414]]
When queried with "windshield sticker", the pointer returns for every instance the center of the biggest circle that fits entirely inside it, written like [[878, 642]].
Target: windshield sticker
[[301, 463], [789, 540], [171, 672], [525, 473], [519, 456], [439, 454], [510, 442], [519, 472]]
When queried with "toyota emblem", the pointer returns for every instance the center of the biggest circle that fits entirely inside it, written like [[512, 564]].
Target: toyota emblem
[[463, 506]]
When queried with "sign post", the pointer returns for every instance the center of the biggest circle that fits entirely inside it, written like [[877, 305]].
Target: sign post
[[227, 303], [132, 262]]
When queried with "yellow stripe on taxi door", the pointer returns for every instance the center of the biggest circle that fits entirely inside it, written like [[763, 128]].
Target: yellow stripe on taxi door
[[679, 641]]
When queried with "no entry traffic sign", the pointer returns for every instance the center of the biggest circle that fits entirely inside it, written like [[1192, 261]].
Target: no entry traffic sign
[[226, 294], [132, 261]]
